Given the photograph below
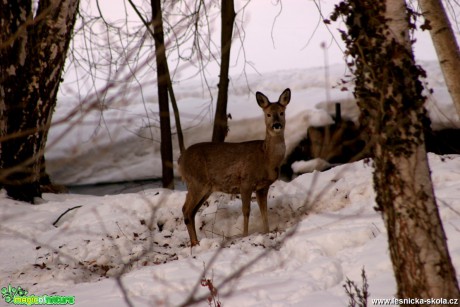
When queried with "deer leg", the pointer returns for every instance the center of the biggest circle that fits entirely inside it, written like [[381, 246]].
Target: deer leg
[[246, 200], [262, 201], [193, 201]]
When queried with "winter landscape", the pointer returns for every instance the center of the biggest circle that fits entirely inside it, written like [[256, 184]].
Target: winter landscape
[[133, 247]]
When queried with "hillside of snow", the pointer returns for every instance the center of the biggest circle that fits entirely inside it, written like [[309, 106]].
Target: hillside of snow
[[135, 246], [123, 142], [323, 230]]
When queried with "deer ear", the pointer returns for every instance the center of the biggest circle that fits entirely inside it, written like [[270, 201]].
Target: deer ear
[[285, 97], [262, 100]]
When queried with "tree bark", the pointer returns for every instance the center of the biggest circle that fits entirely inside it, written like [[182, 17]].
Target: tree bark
[[180, 135], [33, 52], [418, 244], [220, 120], [445, 44], [162, 79], [390, 97]]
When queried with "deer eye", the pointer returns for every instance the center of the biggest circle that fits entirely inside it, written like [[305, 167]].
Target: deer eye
[[282, 113], [269, 115]]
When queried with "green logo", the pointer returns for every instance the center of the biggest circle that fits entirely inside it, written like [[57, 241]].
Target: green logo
[[18, 296]]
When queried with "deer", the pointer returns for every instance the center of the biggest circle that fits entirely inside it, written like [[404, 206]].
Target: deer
[[236, 168]]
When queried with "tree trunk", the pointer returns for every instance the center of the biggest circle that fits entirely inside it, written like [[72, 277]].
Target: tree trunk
[[445, 44], [390, 97], [180, 135], [162, 79], [220, 120], [33, 52], [418, 244]]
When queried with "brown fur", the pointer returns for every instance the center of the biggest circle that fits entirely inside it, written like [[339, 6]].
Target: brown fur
[[236, 167]]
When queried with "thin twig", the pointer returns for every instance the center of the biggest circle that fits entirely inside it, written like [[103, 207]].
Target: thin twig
[[70, 209]]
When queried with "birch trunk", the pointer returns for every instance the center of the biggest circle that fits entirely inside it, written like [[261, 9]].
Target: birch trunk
[[389, 95], [418, 245], [445, 44]]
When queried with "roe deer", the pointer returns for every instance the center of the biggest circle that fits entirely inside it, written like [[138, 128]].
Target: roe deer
[[236, 167]]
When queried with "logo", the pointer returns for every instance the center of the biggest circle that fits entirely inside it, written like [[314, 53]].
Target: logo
[[19, 296]]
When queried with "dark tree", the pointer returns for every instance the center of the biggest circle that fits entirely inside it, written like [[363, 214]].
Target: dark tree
[[33, 48], [163, 83], [220, 120]]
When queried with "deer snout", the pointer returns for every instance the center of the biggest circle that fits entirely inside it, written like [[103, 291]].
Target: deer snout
[[277, 126]]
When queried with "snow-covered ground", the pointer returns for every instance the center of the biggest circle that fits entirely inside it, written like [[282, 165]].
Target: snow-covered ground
[[123, 143], [323, 225], [323, 230]]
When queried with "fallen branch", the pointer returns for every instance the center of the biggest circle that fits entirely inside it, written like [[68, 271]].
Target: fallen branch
[[70, 209]]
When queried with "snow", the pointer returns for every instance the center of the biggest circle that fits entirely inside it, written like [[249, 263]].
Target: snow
[[323, 229], [323, 226], [317, 164], [87, 148]]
